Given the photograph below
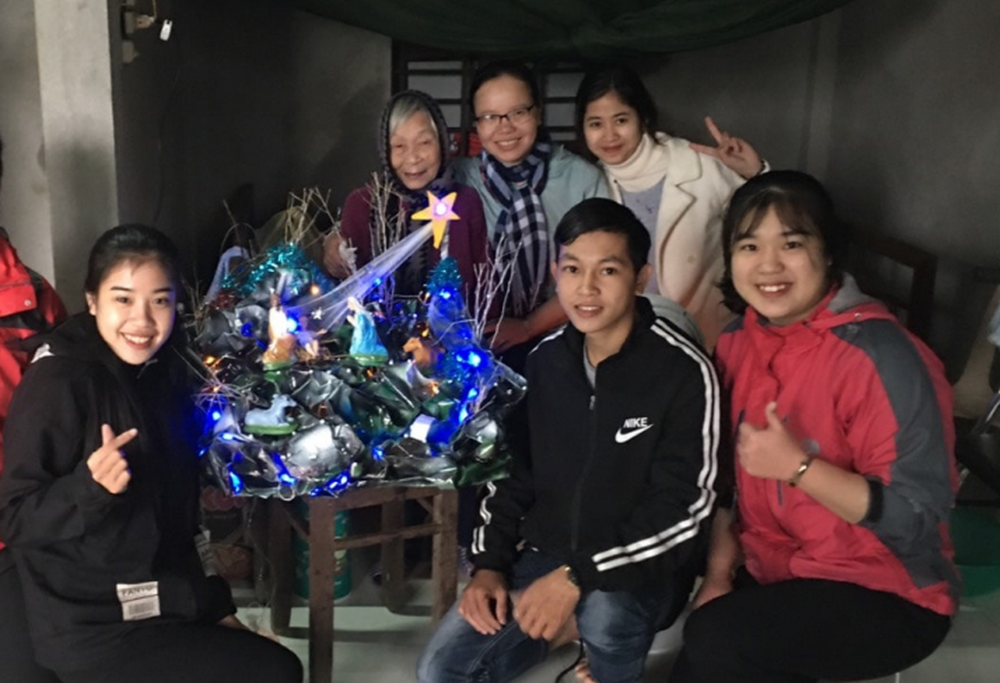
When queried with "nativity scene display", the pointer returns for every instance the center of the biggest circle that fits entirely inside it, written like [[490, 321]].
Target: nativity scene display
[[314, 386]]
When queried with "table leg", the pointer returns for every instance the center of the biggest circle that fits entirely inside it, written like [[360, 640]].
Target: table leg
[[322, 568], [444, 571], [279, 550], [393, 562]]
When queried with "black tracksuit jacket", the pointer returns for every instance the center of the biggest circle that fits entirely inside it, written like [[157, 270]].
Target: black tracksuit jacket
[[617, 481], [74, 543]]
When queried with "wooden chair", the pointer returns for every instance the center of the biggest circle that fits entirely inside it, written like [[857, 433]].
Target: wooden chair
[[870, 254], [318, 531]]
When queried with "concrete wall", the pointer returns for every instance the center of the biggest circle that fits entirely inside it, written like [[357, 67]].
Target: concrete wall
[[758, 88], [246, 93], [24, 196], [917, 122], [341, 83], [55, 104], [74, 66]]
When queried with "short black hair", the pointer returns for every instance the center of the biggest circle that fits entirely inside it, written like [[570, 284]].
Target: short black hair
[[598, 214], [801, 203], [131, 243], [496, 69], [622, 81]]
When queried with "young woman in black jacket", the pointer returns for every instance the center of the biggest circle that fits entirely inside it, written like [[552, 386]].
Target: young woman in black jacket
[[99, 493]]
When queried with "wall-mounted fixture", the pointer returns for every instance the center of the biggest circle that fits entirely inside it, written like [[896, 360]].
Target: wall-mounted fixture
[[133, 20]]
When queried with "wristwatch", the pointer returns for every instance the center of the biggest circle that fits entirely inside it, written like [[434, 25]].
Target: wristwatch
[[571, 575]]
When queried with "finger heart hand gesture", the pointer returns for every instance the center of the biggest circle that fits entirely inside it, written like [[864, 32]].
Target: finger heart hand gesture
[[107, 464]]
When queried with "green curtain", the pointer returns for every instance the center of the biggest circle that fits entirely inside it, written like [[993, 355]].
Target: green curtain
[[568, 29]]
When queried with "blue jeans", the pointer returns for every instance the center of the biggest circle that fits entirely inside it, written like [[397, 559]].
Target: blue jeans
[[617, 630]]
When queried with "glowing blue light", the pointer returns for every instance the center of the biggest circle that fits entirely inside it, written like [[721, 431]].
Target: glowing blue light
[[378, 281], [247, 329], [216, 416], [378, 454], [445, 294], [226, 436], [474, 359], [235, 482], [338, 484], [292, 325], [286, 478], [473, 392]]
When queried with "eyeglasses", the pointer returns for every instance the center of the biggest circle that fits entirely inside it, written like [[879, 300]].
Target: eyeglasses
[[515, 117]]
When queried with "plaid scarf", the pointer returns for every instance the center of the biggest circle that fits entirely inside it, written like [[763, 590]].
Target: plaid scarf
[[522, 221]]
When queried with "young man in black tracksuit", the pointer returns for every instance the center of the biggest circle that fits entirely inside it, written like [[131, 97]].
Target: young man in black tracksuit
[[598, 530]]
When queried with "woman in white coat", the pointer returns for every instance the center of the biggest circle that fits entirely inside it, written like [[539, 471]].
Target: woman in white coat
[[679, 190]]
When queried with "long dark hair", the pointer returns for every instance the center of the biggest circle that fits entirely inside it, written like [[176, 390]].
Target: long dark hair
[[115, 399], [624, 82], [800, 202]]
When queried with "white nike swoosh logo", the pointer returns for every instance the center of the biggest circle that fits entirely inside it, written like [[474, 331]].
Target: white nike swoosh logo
[[622, 438]]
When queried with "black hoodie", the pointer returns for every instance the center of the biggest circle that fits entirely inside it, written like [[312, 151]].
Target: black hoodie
[[84, 553]]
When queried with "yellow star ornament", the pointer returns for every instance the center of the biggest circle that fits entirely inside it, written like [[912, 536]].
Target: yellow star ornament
[[439, 212]]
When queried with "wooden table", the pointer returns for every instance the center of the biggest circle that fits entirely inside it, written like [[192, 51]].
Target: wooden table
[[318, 531]]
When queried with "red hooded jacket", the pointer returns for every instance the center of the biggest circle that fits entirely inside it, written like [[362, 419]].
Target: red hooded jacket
[[865, 395], [28, 305]]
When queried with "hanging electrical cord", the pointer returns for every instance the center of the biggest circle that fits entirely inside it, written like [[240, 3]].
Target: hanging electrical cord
[[576, 662]]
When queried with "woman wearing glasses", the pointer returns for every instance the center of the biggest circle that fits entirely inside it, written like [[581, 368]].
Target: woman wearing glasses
[[527, 183], [679, 190]]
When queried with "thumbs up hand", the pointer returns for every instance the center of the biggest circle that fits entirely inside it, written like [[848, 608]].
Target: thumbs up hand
[[771, 452], [107, 464]]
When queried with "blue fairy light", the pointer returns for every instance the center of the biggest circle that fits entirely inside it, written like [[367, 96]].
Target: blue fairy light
[[292, 325], [335, 485], [226, 436], [475, 359], [235, 482], [247, 329], [216, 416]]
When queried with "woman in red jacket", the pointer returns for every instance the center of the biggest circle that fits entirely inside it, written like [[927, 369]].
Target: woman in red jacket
[[835, 562]]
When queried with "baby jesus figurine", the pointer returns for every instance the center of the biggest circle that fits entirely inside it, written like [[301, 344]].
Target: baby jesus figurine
[[281, 347]]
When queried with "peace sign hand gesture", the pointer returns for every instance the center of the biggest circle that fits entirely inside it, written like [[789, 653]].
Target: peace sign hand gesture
[[107, 464], [736, 153]]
